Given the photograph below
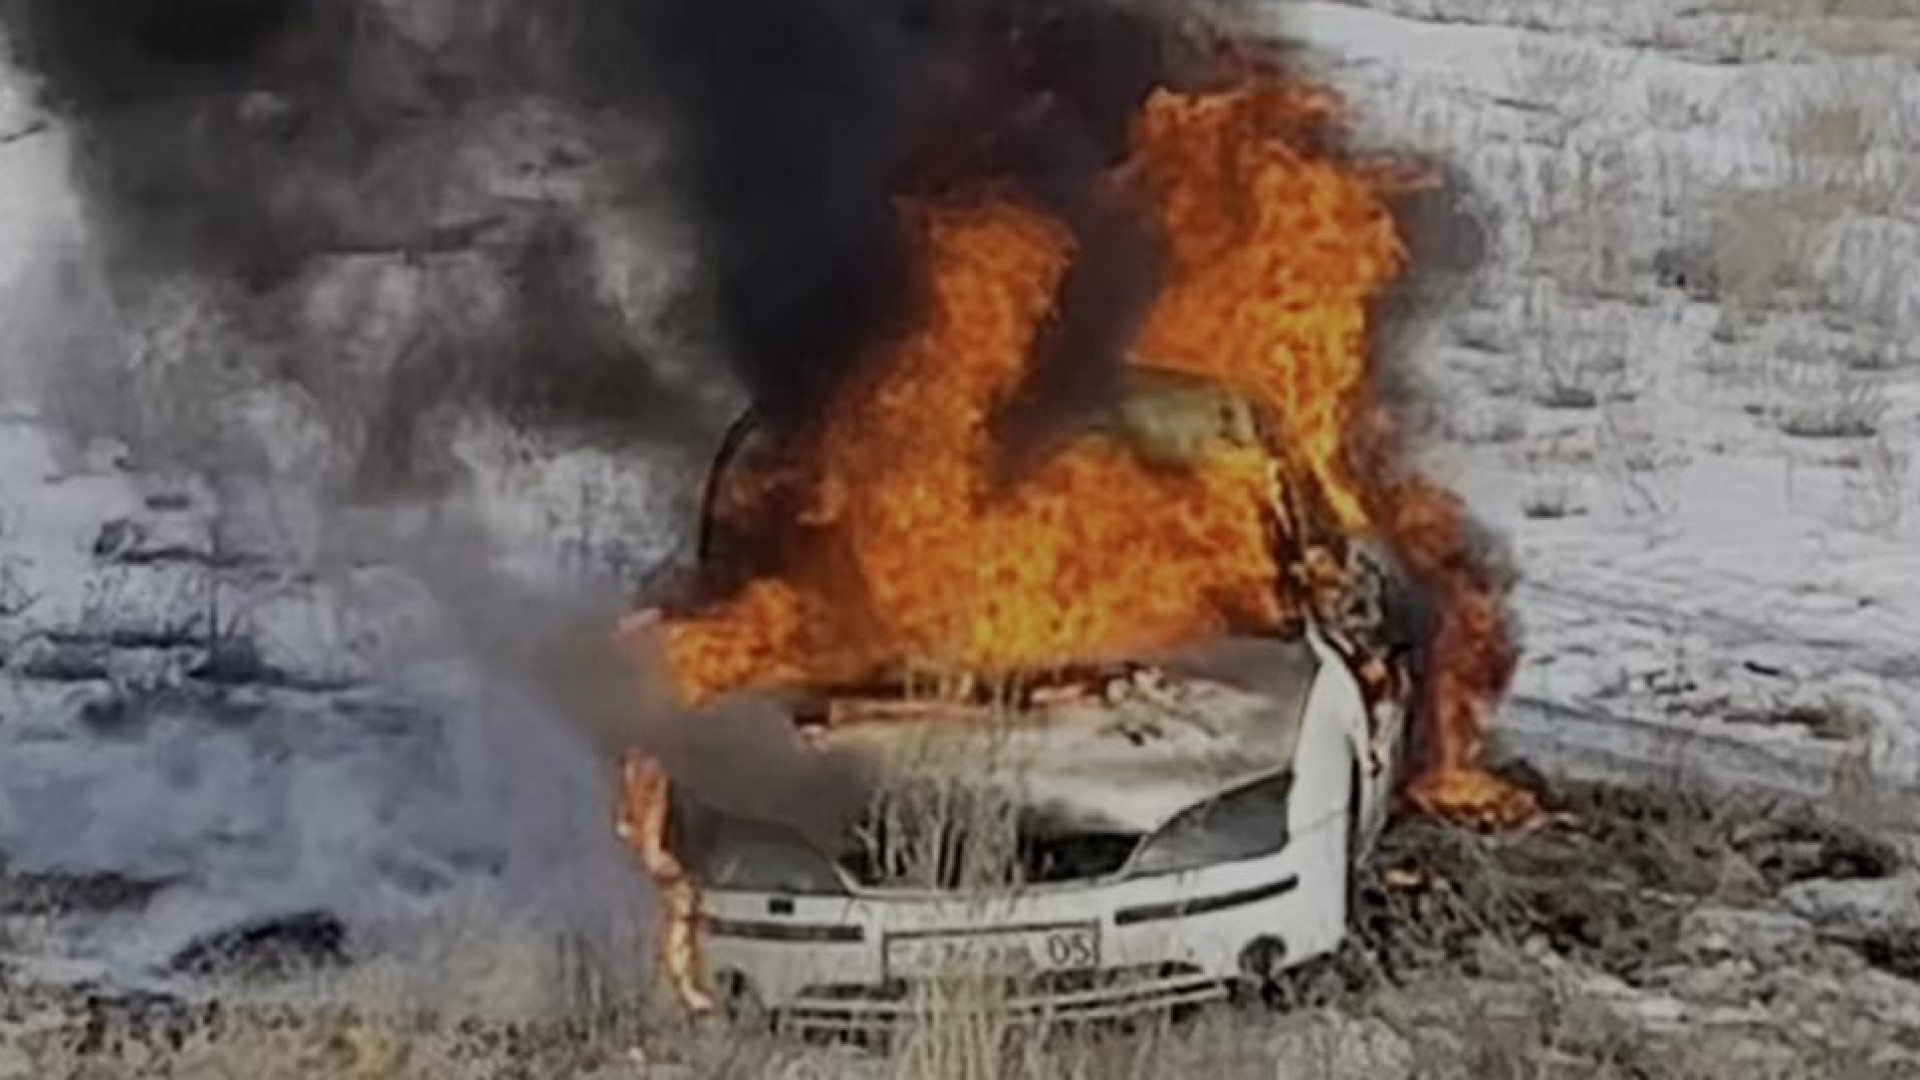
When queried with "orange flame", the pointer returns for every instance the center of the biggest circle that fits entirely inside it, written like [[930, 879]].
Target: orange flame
[[906, 557], [642, 823]]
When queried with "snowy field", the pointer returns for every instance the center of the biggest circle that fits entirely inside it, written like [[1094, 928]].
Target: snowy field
[[1687, 388], [1684, 388]]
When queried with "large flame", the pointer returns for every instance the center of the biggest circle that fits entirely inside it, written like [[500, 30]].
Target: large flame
[[1276, 243]]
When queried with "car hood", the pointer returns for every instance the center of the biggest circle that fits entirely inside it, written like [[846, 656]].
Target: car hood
[[1146, 748]]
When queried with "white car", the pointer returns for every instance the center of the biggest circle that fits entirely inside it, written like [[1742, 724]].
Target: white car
[[1191, 830]]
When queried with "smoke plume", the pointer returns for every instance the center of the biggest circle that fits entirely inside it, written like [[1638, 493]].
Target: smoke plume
[[599, 221], [801, 122], [263, 144]]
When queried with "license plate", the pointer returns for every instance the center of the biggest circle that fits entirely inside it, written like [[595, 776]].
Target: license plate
[[1055, 948]]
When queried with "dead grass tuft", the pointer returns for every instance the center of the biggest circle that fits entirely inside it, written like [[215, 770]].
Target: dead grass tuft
[[1827, 404], [1839, 138], [1551, 500]]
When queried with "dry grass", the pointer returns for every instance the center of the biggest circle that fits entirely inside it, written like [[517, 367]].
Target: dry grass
[[1583, 217], [1835, 27], [111, 1040], [1841, 137], [1813, 230], [1572, 80], [1496, 423], [1819, 397], [1527, 955], [942, 828], [1881, 494], [1575, 355]]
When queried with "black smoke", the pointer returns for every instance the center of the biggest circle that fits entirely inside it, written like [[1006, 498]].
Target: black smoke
[[791, 118], [801, 122], [100, 54], [252, 141]]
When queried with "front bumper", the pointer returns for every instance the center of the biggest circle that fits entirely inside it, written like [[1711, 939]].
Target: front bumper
[[1163, 942]]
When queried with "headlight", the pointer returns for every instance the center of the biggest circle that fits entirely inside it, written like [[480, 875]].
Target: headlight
[[724, 852], [1245, 823]]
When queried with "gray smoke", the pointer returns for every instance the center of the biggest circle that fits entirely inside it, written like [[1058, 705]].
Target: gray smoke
[[389, 249], [499, 147]]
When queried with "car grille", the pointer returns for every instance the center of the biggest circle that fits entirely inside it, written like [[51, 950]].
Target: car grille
[[1042, 860]]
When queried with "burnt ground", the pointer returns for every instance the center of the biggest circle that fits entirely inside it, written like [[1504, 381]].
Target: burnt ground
[[1653, 931], [1636, 932]]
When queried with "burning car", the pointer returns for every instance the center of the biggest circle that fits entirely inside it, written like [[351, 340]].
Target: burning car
[[1133, 713], [1166, 840], [1124, 836]]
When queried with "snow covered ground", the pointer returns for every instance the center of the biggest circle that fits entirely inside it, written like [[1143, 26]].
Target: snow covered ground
[[1715, 516], [1685, 388]]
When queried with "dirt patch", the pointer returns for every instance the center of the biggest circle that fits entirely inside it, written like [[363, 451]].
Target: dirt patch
[[1606, 881]]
